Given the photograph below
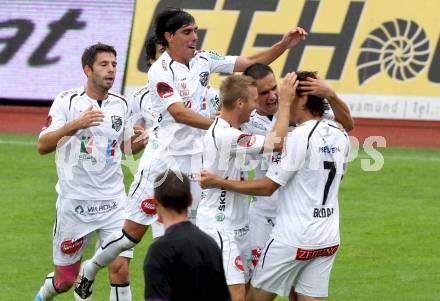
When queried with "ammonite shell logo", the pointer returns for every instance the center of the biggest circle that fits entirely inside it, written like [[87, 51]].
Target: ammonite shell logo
[[400, 48]]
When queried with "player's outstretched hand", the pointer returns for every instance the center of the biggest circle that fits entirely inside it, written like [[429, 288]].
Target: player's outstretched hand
[[315, 86], [288, 88], [140, 135], [209, 180], [89, 118], [294, 37]]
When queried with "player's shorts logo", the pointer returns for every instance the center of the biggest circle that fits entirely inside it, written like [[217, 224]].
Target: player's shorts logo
[[164, 90], [219, 217], [246, 140], [116, 123], [47, 123], [238, 264], [310, 254], [69, 247], [256, 253], [79, 210], [204, 78], [148, 206]]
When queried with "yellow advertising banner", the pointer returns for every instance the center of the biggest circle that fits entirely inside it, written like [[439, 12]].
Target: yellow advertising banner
[[383, 57]]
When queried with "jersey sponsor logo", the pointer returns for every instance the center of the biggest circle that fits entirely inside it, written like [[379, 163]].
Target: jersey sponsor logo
[[116, 122], [215, 56], [164, 65], [303, 255], [246, 140], [71, 246], [255, 256], [148, 206], [164, 90], [222, 205], [204, 76], [258, 125], [329, 149], [219, 217], [47, 123], [88, 145], [241, 232], [238, 264]]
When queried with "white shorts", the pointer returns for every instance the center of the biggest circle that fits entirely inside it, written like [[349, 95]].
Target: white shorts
[[141, 208], [75, 222], [235, 249], [157, 229], [282, 267], [260, 228]]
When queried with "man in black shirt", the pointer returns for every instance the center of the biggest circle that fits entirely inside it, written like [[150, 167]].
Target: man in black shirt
[[185, 263]]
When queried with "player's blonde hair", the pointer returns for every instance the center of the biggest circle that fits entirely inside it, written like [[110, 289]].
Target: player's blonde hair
[[233, 88]]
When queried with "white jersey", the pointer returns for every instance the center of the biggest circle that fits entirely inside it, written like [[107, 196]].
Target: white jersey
[[259, 163], [310, 171], [171, 82], [212, 102], [89, 165], [223, 144]]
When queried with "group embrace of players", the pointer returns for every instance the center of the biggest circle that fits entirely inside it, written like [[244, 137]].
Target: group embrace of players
[[250, 139]]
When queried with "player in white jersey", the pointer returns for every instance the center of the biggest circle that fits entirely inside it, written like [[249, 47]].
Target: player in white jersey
[[224, 214], [310, 170], [87, 127], [262, 211], [178, 82]]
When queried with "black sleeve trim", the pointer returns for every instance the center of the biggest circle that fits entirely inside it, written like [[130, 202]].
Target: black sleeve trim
[[172, 71], [71, 98], [142, 98], [120, 97], [202, 57], [221, 241], [212, 133], [310, 134]]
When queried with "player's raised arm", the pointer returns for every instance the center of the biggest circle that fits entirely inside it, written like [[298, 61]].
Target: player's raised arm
[[318, 87], [275, 139], [289, 40], [263, 186], [47, 142]]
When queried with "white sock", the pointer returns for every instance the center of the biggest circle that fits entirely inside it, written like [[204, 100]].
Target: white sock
[[47, 291], [109, 250], [120, 292]]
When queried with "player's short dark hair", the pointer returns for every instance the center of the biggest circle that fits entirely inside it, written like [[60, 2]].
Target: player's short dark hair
[[258, 71], [170, 20], [173, 191], [150, 49], [234, 87], [89, 55], [315, 105]]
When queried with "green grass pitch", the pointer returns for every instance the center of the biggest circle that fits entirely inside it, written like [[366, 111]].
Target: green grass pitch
[[390, 227]]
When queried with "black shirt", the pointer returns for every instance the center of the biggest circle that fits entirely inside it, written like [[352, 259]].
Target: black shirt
[[185, 264]]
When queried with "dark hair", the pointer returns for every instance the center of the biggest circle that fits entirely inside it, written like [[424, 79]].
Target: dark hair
[[258, 71], [172, 191], [315, 105], [234, 87], [170, 20], [89, 55], [150, 49]]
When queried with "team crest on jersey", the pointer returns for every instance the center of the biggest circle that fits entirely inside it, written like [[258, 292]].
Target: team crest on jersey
[[47, 123], [204, 78], [238, 264], [164, 90], [148, 206], [116, 123], [164, 65], [246, 140], [71, 246]]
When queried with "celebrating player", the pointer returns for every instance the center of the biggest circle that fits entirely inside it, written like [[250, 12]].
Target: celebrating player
[[178, 82], [310, 170], [91, 122]]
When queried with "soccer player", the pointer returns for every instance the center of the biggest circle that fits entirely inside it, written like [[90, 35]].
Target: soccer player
[[178, 83], [262, 211], [310, 170], [91, 122], [224, 214], [185, 263]]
